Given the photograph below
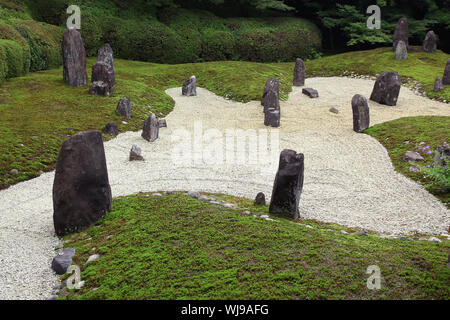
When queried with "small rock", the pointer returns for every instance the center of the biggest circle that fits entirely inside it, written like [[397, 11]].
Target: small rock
[[156, 195], [193, 194], [150, 131], [228, 205], [334, 110], [343, 232], [260, 199], [14, 171], [412, 156], [264, 216], [361, 233], [247, 213], [136, 153], [111, 128], [434, 239], [203, 198], [438, 86], [63, 260], [190, 87], [310, 92], [162, 123], [124, 108], [92, 258]]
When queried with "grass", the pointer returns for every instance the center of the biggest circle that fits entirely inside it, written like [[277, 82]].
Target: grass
[[39, 111], [414, 134], [175, 247]]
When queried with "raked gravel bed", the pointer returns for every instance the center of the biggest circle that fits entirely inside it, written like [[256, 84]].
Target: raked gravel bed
[[349, 178]]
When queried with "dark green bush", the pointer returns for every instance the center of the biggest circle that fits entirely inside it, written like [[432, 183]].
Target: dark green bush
[[13, 59], [217, 45], [50, 11], [44, 42], [92, 33], [7, 32]]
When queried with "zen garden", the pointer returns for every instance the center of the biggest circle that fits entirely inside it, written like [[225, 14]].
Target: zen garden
[[224, 150]]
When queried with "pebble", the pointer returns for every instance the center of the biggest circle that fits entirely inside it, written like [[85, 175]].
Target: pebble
[[434, 239], [193, 194], [14, 171], [203, 198], [92, 258], [343, 232], [228, 205], [247, 213], [157, 195]]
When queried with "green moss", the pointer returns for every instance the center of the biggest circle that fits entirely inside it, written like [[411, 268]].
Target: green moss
[[175, 247], [413, 134], [13, 59]]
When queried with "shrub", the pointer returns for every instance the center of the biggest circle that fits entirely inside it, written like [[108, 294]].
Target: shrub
[[217, 45], [7, 32], [50, 11], [13, 59], [44, 42], [92, 33]]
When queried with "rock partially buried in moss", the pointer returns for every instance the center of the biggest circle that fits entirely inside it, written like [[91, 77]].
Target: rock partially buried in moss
[[438, 86], [190, 87], [361, 117], [446, 77], [100, 88], [124, 108], [150, 131], [74, 59], [412, 156], [63, 260], [401, 32], [111, 128], [288, 185], [429, 44], [81, 190], [260, 199], [386, 88], [100, 73], [299, 73]]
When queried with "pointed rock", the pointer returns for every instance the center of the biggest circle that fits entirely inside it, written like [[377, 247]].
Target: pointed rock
[[74, 59], [361, 118], [386, 88], [190, 87], [151, 128], [124, 108], [299, 73], [136, 153], [401, 32], [429, 44]]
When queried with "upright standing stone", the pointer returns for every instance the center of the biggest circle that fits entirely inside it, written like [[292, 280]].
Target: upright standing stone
[[260, 199], [446, 77], [438, 86], [299, 73], [271, 95], [386, 88], [136, 153], [288, 185], [272, 118], [112, 129], [190, 87], [106, 56], [401, 32], [151, 128], [361, 117], [81, 190], [124, 108], [74, 59], [401, 52], [429, 44]]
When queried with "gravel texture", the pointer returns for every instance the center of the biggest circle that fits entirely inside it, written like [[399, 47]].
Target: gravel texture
[[349, 178]]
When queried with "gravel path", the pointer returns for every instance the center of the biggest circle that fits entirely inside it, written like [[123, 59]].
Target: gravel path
[[349, 178]]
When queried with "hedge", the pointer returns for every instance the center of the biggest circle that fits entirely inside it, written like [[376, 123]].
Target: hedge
[[217, 45], [13, 59]]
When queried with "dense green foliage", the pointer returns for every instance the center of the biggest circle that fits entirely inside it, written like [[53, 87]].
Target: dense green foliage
[[176, 247]]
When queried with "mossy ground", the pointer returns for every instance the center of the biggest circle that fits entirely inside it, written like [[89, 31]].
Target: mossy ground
[[176, 247]]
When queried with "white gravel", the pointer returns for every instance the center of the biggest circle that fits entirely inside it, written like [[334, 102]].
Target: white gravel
[[349, 178]]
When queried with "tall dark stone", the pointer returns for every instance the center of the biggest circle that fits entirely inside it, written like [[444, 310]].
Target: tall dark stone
[[150, 131], [429, 44], [386, 88], [401, 51], [260, 199], [74, 59], [299, 73], [271, 95], [190, 87], [100, 73], [401, 32], [288, 185], [106, 56], [272, 118], [81, 190], [124, 107], [361, 117], [446, 76]]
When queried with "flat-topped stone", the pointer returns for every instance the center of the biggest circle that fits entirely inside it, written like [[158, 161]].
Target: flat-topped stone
[[386, 88], [310, 92]]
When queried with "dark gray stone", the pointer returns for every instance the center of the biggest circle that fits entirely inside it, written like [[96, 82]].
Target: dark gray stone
[[429, 44], [151, 128], [100, 73], [310, 92], [438, 86], [100, 88], [124, 108], [106, 56], [334, 110], [190, 87], [81, 190], [272, 118], [162, 123], [74, 59], [111, 129], [401, 33], [441, 155], [271, 95], [446, 77], [260, 199], [63, 260], [136, 153], [386, 88], [361, 117], [299, 73], [288, 185], [401, 51], [412, 156]]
